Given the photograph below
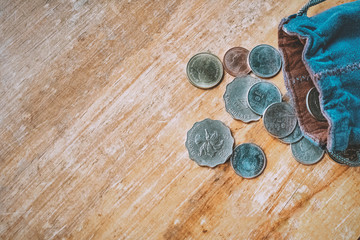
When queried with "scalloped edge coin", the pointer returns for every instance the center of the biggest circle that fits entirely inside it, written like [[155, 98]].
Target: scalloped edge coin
[[239, 87], [201, 84], [220, 154]]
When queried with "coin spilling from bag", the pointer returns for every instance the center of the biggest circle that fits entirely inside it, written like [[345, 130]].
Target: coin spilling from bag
[[324, 84], [247, 98]]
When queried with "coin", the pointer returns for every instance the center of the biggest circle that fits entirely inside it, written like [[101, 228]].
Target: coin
[[279, 119], [248, 160], [209, 142], [204, 70], [336, 158], [349, 157], [264, 61], [235, 61], [235, 99], [294, 137], [305, 152], [261, 95], [313, 104]]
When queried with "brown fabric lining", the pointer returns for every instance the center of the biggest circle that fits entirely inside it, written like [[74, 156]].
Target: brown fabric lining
[[298, 82]]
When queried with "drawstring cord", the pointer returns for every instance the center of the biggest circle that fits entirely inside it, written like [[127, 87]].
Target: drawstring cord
[[306, 7]]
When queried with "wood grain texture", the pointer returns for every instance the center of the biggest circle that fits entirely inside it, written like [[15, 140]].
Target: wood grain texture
[[94, 110]]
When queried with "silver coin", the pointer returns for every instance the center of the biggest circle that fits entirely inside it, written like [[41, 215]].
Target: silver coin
[[305, 152], [294, 137], [261, 95], [235, 99], [248, 160], [265, 61], [349, 157], [204, 70], [209, 142], [313, 104], [280, 120]]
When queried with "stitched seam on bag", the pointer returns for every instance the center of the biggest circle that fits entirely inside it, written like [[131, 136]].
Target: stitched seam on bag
[[300, 79], [337, 71], [289, 83], [310, 133]]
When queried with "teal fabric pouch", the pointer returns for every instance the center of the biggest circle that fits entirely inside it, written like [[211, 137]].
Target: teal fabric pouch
[[324, 51]]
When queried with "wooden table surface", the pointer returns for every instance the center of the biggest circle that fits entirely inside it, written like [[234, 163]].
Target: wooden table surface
[[94, 110]]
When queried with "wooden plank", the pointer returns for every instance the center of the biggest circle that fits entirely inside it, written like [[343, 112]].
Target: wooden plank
[[94, 110]]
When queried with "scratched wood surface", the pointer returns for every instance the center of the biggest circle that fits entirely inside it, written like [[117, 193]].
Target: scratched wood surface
[[94, 109]]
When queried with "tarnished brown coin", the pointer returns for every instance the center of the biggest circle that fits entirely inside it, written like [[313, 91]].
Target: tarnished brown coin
[[235, 61]]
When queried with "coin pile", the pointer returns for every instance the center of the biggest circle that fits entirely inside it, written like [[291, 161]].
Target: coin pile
[[210, 142], [247, 99], [280, 121]]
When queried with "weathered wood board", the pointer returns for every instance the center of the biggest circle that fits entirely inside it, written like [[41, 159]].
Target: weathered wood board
[[94, 109]]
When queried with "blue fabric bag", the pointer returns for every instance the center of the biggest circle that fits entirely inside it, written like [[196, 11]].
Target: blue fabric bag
[[324, 51]]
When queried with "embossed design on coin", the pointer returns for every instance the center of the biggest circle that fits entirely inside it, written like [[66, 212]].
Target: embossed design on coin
[[261, 95], [265, 61], [279, 119], [235, 61], [209, 142], [248, 160], [294, 137], [349, 157], [305, 152], [204, 70], [313, 104], [235, 99]]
